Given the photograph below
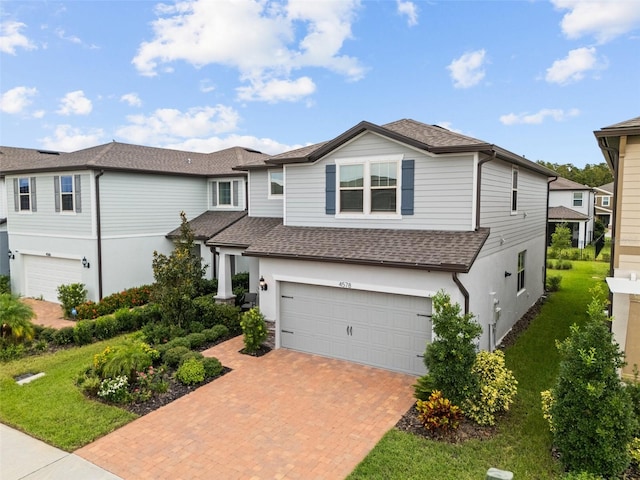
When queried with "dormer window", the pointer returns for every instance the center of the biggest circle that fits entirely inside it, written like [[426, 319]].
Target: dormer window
[[225, 193]]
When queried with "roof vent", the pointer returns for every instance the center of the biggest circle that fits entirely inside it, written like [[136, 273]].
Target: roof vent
[[48, 152]]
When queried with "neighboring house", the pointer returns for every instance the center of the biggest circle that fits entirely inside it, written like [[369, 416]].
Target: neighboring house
[[620, 145], [572, 204], [352, 238], [604, 204], [96, 216]]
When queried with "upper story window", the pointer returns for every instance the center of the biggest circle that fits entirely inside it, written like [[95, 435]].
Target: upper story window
[[514, 190], [577, 199], [521, 268], [225, 193], [605, 201], [276, 183], [369, 187], [67, 193], [24, 194]]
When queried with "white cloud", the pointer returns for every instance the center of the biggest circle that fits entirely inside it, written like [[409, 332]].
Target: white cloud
[[572, 68], [556, 114], [277, 90], [132, 99], [171, 125], [17, 99], [275, 39], [68, 139], [11, 38], [69, 38], [410, 10], [206, 86], [213, 144], [468, 70], [604, 19], [448, 126], [75, 103]]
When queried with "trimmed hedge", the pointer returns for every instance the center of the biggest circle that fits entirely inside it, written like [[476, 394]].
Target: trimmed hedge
[[131, 297]]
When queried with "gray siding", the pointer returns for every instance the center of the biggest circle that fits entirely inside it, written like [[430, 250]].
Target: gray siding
[[46, 221], [260, 205], [140, 204], [443, 197], [495, 206]]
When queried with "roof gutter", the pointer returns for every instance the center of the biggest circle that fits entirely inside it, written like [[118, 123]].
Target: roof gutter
[[463, 290], [479, 185], [99, 233], [614, 155]]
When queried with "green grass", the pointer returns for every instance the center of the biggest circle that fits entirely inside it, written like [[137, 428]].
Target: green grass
[[523, 442], [52, 408]]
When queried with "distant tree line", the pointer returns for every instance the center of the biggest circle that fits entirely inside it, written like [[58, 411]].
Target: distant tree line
[[591, 175]]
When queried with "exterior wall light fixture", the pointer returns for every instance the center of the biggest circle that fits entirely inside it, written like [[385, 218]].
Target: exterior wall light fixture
[[507, 274], [263, 284], [11, 255], [85, 263]]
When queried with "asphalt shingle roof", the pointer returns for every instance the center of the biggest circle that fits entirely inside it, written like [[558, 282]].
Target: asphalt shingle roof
[[564, 213], [209, 224], [634, 122], [450, 251], [566, 184], [123, 156], [245, 232], [607, 187]]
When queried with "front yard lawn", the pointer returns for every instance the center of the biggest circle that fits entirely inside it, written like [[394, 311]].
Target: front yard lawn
[[523, 442], [53, 408]]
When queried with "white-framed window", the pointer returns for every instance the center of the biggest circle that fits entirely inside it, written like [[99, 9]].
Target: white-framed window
[[577, 199], [24, 194], [514, 190], [66, 193], [521, 269], [276, 183], [368, 187], [606, 201], [225, 193]]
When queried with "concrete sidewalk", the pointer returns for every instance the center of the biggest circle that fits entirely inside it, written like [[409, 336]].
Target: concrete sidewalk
[[23, 457]]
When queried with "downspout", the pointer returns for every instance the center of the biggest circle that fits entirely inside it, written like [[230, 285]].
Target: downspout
[[614, 165], [546, 240], [99, 233], [479, 186], [463, 290]]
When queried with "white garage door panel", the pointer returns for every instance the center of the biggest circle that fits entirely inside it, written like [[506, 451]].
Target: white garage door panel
[[379, 329], [43, 275]]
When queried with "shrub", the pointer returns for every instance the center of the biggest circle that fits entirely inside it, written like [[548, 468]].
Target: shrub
[[172, 356], [254, 329], [129, 298], [450, 358], [156, 333], [212, 367], [115, 390], [606, 257], [498, 386], [15, 319], [438, 413], [240, 280], [150, 313], [211, 314], [83, 332], [71, 296], [11, 351], [591, 412], [64, 336], [196, 340], [553, 283], [179, 342], [634, 450], [189, 355], [127, 360], [47, 334], [190, 372], [5, 284], [90, 384], [105, 327], [196, 327], [126, 320], [581, 476], [214, 333], [207, 286]]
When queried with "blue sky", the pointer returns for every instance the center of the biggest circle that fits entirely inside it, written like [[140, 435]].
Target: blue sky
[[534, 77]]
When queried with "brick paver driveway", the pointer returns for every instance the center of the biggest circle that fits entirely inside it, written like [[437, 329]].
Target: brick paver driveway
[[284, 415]]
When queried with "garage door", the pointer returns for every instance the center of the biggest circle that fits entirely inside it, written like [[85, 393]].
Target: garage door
[[378, 329], [44, 274]]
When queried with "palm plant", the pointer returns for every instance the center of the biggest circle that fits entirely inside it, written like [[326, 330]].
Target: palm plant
[[15, 319]]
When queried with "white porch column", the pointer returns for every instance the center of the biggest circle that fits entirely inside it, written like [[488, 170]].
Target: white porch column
[[254, 275], [225, 290]]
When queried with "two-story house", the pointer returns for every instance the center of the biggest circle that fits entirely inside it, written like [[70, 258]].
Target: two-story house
[[96, 216], [604, 201], [351, 239], [572, 203], [620, 145]]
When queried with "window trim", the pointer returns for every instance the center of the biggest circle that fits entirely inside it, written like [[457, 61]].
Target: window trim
[[515, 179], [64, 211], [581, 198], [270, 193], [606, 201], [236, 201], [521, 271], [366, 162], [28, 195]]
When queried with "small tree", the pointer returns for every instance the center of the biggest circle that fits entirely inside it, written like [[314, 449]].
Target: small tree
[[591, 413], [254, 329], [15, 319], [450, 357], [71, 296], [561, 240], [177, 278]]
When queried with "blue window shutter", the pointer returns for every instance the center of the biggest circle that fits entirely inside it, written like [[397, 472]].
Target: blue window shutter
[[77, 193], [406, 201], [56, 192], [330, 190], [16, 195], [32, 192]]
